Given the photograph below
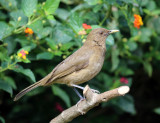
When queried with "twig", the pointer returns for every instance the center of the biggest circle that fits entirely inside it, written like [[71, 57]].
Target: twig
[[91, 101]]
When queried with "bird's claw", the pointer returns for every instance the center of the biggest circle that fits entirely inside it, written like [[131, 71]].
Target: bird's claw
[[95, 91], [80, 101], [82, 113]]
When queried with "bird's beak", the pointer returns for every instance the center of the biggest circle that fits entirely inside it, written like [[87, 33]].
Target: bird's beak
[[113, 31]]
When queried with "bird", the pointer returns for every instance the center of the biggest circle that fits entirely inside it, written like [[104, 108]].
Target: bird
[[81, 66]]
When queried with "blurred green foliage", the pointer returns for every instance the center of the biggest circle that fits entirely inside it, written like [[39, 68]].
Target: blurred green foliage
[[56, 25]]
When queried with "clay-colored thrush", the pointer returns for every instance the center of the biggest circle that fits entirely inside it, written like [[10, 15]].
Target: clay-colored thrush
[[79, 67]]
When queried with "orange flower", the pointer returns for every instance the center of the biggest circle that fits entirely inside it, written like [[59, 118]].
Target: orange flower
[[22, 54], [137, 21], [85, 26], [28, 30]]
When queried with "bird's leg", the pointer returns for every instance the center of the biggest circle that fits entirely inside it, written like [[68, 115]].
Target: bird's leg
[[80, 96], [80, 87]]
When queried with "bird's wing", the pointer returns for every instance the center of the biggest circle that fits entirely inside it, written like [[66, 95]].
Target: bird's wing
[[77, 61]]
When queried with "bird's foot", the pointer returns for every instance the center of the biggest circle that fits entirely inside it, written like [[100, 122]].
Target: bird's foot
[[82, 112], [95, 91], [81, 99], [80, 87]]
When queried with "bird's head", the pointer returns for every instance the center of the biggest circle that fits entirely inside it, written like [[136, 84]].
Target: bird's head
[[99, 35]]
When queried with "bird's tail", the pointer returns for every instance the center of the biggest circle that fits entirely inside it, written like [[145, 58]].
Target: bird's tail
[[26, 90]]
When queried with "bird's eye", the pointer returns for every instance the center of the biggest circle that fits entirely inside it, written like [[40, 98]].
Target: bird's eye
[[101, 32]]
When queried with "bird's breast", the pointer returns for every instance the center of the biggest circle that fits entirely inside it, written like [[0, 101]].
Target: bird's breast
[[95, 64]]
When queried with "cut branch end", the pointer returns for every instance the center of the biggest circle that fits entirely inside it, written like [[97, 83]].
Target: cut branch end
[[123, 90]]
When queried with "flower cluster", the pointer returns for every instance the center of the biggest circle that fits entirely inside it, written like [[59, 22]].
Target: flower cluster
[[137, 21], [84, 30], [124, 80], [28, 31], [85, 26], [22, 54]]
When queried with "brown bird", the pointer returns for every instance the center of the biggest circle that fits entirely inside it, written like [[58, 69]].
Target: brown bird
[[81, 66]]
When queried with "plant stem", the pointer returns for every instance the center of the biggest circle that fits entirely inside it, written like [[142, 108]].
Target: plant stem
[[3, 45], [29, 23], [107, 15], [8, 67]]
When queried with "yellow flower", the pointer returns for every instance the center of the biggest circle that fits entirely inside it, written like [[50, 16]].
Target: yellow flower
[[22, 54], [19, 54], [26, 52], [24, 57]]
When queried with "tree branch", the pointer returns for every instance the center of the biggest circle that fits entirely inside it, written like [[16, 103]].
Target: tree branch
[[91, 100]]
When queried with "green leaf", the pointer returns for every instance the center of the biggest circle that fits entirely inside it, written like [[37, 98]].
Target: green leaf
[[11, 45], [111, 2], [6, 87], [156, 23], [51, 6], [116, 84], [58, 53], [62, 13], [37, 27], [92, 2], [45, 55], [151, 5], [51, 43], [126, 103], [95, 26], [76, 22], [5, 30], [66, 46], [97, 8], [124, 71], [144, 3], [155, 12], [29, 6], [62, 94], [115, 59], [46, 31], [109, 41], [8, 5], [2, 119], [27, 72], [145, 35], [10, 81], [127, 1], [105, 78], [3, 16], [16, 15], [148, 68], [132, 45], [25, 43], [50, 17], [27, 48], [157, 110], [61, 35]]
